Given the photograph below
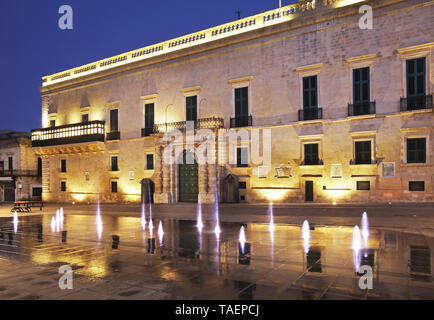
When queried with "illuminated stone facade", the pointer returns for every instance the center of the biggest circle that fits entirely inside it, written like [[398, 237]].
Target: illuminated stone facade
[[279, 56]]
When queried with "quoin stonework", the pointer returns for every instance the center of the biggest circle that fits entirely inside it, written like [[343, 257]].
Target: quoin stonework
[[348, 112]]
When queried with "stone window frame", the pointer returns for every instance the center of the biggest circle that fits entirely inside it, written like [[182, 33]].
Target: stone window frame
[[416, 135], [112, 106], [191, 92], [51, 117], [117, 185], [368, 60], [308, 71], [414, 52], [311, 139], [60, 165], [84, 111], [241, 83], [243, 146], [148, 99], [146, 159], [364, 136], [66, 185]]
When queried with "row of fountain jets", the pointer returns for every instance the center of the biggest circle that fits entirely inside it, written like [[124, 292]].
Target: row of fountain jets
[[357, 243]]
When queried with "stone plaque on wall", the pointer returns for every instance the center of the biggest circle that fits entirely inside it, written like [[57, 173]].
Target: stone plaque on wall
[[283, 172], [388, 169], [336, 170]]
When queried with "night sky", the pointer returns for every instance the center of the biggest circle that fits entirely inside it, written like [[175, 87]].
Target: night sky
[[32, 45]]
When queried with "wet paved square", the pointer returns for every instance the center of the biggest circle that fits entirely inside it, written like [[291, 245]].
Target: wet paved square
[[187, 264]]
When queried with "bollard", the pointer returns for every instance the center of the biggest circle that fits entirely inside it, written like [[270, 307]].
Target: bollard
[[64, 236], [115, 242]]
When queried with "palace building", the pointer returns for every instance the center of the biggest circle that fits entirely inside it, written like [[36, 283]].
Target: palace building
[[349, 110]]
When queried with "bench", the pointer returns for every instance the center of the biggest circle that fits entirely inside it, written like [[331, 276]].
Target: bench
[[26, 206]]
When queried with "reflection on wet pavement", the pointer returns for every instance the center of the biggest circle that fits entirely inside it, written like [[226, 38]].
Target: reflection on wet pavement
[[119, 259]]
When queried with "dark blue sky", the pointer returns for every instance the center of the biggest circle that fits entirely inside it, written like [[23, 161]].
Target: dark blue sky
[[32, 45]]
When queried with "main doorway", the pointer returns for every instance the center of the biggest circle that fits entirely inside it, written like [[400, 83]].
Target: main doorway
[[188, 178]]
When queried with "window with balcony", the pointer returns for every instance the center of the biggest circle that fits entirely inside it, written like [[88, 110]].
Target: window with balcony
[[310, 109], [114, 129], [191, 108], [362, 152], [242, 157], [149, 162], [149, 120], [63, 165], [114, 164], [242, 118], [361, 93], [416, 150], [52, 123], [85, 118], [416, 86], [311, 155]]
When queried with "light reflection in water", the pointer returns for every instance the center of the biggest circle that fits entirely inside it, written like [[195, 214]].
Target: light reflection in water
[[305, 234], [199, 223], [15, 222], [53, 224], [356, 246], [217, 229], [98, 221], [61, 218], [143, 217], [242, 239], [160, 233]]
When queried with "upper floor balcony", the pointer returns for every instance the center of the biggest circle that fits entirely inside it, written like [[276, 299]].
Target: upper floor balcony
[[361, 108], [67, 134], [202, 123], [241, 121], [416, 102], [309, 114]]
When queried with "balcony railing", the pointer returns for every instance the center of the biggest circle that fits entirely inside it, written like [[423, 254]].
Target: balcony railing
[[241, 121], [146, 132], [114, 135], [415, 103], [361, 108], [312, 163], [67, 134], [309, 114], [203, 123], [20, 173]]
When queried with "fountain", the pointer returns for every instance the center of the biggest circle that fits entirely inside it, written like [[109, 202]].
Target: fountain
[[53, 224], [98, 221], [15, 222], [61, 217], [151, 225], [160, 233], [365, 228], [305, 234], [217, 229], [356, 246], [242, 239], [199, 223], [271, 226]]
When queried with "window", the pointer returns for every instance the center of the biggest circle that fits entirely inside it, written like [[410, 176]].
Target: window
[[191, 108], [416, 185], [62, 186], [114, 186], [242, 185], [149, 116], [363, 185], [52, 123], [115, 164], [2, 167], [242, 157], [416, 150], [149, 162], [114, 120], [241, 102], [311, 154], [85, 117], [361, 85], [39, 167], [63, 165], [415, 77], [310, 93], [10, 164], [36, 192], [362, 152]]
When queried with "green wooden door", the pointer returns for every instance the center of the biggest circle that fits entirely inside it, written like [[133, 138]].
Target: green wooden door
[[188, 181]]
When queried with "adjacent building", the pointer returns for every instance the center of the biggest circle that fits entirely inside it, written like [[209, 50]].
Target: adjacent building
[[349, 110], [20, 168]]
